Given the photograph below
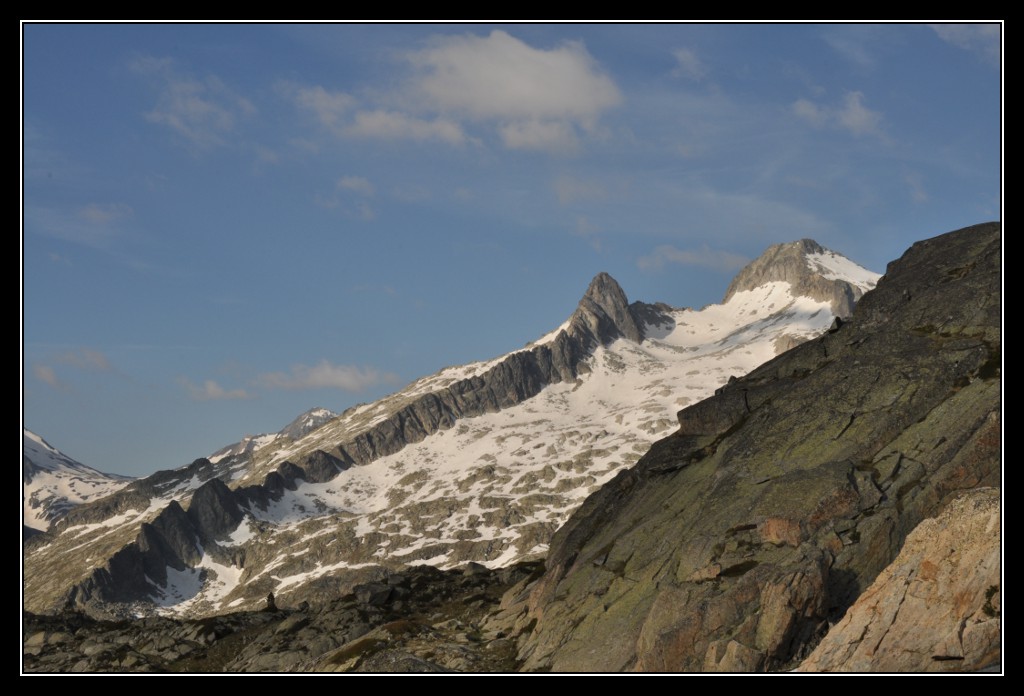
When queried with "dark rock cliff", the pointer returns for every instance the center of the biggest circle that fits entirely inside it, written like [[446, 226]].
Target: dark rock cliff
[[734, 542]]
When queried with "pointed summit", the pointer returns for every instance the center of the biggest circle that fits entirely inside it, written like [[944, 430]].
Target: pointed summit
[[812, 271], [604, 314]]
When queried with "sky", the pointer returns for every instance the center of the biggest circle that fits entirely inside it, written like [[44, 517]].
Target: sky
[[224, 225]]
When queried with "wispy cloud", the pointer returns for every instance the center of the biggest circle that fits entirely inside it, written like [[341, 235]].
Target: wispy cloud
[[348, 196], [688, 64], [104, 214], [203, 111], [918, 194], [983, 39], [852, 115], [94, 225], [570, 189], [585, 229], [329, 108], [210, 390], [85, 359], [356, 184], [851, 47], [326, 375], [395, 125], [705, 257], [47, 375]]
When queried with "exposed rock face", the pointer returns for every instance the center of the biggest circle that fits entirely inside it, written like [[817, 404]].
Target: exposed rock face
[[732, 543], [604, 314], [795, 263], [176, 538], [935, 608]]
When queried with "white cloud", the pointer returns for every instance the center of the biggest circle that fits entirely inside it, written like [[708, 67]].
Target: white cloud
[[983, 39], [536, 98], [356, 184], [857, 118], [211, 391], [325, 375], [852, 115], [688, 65], [500, 77], [329, 108], [810, 112], [203, 111], [706, 257], [530, 98], [395, 125]]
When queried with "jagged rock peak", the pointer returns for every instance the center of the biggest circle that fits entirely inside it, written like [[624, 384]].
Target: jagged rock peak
[[811, 270], [604, 314]]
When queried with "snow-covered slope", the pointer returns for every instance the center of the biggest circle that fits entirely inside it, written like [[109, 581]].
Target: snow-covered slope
[[490, 487], [53, 483]]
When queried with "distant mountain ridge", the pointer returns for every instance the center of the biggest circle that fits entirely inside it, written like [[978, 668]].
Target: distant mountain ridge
[[53, 483], [481, 462], [303, 424]]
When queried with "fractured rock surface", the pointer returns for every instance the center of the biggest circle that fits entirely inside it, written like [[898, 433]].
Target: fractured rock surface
[[935, 608]]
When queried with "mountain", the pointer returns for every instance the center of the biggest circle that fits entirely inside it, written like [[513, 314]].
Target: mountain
[[305, 423], [481, 462], [737, 540], [53, 483]]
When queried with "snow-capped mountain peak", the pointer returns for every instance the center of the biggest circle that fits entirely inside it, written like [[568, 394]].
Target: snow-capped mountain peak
[[53, 483], [811, 271]]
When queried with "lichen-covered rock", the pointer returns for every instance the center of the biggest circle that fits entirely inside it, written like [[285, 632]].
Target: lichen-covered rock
[[935, 608]]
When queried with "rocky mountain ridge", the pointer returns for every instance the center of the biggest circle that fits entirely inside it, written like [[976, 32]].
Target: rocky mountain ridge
[[476, 463]]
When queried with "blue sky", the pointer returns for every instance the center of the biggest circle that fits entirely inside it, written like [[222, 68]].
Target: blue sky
[[226, 225]]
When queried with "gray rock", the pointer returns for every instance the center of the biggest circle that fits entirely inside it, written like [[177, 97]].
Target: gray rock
[[787, 263]]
